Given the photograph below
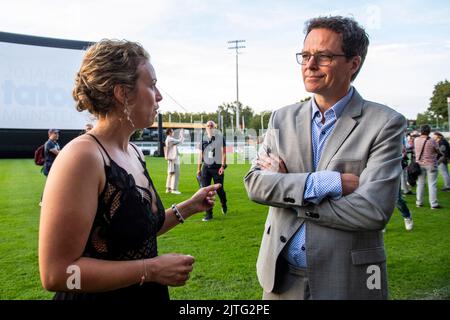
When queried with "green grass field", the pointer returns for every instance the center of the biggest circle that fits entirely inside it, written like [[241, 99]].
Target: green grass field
[[225, 248]]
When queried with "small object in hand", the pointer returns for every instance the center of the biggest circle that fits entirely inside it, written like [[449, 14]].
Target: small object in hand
[[199, 180]]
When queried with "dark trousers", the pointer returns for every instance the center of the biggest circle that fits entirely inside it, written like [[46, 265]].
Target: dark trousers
[[401, 205], [212, 172]]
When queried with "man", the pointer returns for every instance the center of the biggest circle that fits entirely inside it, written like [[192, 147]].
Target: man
[[443, 158], [329, 169], [427, 151], [51, 150], [87, 127], [213, 158]]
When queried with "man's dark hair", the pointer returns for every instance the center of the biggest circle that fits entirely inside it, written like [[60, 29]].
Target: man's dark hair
[[355, 40], [425, 129], [168, 131]]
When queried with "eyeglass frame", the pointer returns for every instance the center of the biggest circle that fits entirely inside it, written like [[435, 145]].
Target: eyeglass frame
[[331, 56]]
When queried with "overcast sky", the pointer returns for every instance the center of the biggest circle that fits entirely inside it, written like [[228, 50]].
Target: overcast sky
[[187, 40]]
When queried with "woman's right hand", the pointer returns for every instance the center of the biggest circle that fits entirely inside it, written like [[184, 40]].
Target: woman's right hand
[[170, 269]]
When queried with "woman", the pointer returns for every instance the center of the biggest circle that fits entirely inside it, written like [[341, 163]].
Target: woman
[[100, 212], [173, 161]]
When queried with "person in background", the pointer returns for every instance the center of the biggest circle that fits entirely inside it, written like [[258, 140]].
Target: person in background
[[427, 151], [443, 158], [88, 127], [173, 161], [101, 213], [404, 210], [405, 187], [51, 150], [212, 162]]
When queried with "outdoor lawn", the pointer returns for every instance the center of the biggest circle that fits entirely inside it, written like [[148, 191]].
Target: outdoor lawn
[[225, 248]]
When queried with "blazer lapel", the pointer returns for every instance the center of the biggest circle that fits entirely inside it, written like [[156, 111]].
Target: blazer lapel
[[343, 127], [303, 134]]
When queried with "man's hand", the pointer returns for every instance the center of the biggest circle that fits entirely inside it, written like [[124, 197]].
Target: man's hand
[[272, 163], [350, 183], [221, 170]]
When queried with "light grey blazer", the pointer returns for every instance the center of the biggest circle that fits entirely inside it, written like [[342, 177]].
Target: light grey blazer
[[343, 236]]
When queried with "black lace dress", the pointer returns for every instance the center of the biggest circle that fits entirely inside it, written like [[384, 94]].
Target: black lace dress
[[124, 228]]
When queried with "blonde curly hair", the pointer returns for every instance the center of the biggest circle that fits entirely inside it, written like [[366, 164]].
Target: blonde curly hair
[[106, 64]]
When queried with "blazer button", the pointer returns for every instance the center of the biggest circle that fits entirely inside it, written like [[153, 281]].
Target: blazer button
[[312, 214], [288, 200], [283, 239]]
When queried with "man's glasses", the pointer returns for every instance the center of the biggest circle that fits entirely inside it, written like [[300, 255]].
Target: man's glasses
[[321, 59]]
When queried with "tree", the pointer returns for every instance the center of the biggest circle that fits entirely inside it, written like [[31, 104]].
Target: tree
[[137, 135], [306, 99], [256, 120], [438, 102], [425, 118]]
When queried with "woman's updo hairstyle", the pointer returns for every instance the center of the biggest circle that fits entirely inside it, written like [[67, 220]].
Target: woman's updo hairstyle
[[107, 63]]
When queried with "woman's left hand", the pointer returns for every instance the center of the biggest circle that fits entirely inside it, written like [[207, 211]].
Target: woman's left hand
[[204, 198]]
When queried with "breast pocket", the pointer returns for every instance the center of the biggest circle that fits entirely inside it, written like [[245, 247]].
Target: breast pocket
[[346, 166]]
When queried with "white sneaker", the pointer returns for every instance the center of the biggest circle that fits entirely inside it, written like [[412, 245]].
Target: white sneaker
[[176, 192], [409, 224]]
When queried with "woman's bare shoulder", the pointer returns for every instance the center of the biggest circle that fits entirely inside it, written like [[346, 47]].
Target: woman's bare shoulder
[[83, 150]]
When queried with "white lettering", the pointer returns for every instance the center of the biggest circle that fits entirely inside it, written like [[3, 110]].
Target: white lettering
[[74, 280], [374, 280]]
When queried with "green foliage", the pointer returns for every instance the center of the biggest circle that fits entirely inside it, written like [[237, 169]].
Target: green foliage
[[438, 102], [306, 99], [437, 112], [137, 135], [424, 118], [227, 111], [225, 248]]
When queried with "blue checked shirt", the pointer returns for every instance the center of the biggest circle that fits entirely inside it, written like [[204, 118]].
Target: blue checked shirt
[[320, 184]]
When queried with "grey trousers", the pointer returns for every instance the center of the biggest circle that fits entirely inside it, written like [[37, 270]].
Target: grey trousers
[[291, 284], [429, 173]]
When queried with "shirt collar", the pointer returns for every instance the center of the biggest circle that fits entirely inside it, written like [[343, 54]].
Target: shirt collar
[[337, 108]]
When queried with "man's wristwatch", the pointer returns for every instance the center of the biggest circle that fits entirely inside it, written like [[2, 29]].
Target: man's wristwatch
[[224, 166]]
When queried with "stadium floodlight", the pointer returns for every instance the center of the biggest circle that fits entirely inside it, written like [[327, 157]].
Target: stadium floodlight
[[237, 47]]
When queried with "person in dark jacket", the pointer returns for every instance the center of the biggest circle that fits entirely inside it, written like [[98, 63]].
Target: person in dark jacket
[[443, 158]]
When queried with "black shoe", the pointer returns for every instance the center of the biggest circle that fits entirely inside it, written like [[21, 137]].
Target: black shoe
[[224, 209], [445, 189], [207, 217], [436, 207]]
